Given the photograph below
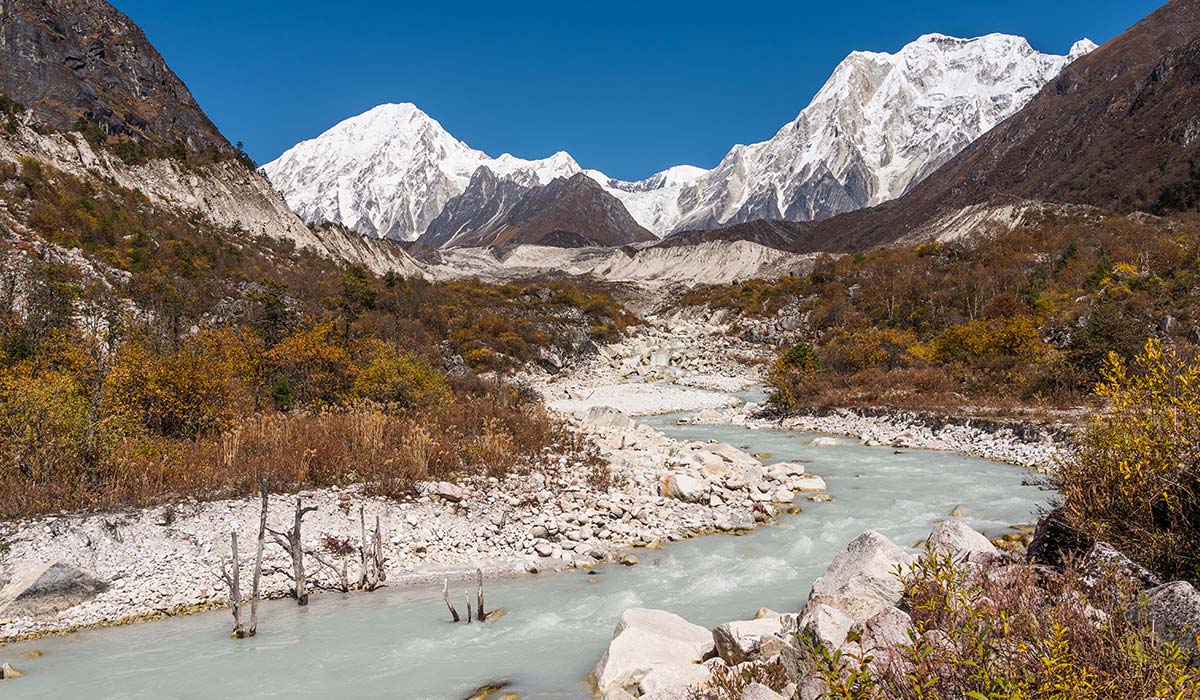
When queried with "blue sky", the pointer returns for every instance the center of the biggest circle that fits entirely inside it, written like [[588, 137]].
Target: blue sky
[[628, 88]]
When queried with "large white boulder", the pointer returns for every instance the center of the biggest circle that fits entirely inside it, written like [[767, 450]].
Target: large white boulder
[[884, 634], [857, 608], [645, 640], [685, 488], [957, 539], [740, 641], [674, 677], [867, 567], [606, 417], [808, 483], [828, 624]]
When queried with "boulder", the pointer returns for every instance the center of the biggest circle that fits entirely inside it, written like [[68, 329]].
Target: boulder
[[788, 468], [1174, 611], [1053, 538], [1103, 554], [827, 442], [867, 567], [857, 608], [829, 625], [606, 417], [48, 588], [883, 636], [957, 539], [7, 672], [449, 492], [674, 677], [738, 642], [685, 488], [645, 640], [808, 483]]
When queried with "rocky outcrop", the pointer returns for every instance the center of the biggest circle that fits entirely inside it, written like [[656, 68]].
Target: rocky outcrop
[[568, 212], [866, 568], [483, 205], [47, 588], [68, 60]]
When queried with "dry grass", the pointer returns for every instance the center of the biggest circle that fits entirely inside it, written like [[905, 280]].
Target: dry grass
[[387, 449]]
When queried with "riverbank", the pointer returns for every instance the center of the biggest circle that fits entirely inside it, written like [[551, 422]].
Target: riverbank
[[637, 488]]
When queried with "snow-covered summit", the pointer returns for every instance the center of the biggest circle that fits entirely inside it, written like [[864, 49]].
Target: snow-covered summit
[[880, 124]]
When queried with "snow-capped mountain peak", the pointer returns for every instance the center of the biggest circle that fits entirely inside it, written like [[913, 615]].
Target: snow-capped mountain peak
[[390, 171], [879, 125]]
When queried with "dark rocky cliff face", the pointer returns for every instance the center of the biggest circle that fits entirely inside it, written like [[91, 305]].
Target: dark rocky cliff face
[[567, 212], [477, 212], [68, 60]]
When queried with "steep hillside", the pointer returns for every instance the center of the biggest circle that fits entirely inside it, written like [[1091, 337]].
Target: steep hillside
[[82, 60]]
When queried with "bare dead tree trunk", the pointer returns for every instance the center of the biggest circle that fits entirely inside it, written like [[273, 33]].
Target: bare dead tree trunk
[[467, 598], [230, 573], [291, 543], [363, 577], [380, 571], [258, 561], [446, 597], [479, 609]]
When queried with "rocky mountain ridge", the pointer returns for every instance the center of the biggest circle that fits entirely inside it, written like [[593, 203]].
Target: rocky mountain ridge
[[881, 123], [83, 61]]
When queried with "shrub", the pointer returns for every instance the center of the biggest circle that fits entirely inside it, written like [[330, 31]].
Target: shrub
[[43, 425], [396, 377], [313, 366], [1134, 477]]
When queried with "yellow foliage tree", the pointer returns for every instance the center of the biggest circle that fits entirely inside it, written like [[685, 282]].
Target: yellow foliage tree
[[396, 377], [43, 423], [1134, 479], [310, 368], [202, 388]]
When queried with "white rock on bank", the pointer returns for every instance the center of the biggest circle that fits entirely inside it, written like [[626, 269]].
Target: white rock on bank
[[739, 641], [866, 567], [685, 488], [645, 640], [828, 624], [956, 538]]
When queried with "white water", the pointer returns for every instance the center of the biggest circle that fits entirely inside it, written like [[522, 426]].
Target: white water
[[398, 644]]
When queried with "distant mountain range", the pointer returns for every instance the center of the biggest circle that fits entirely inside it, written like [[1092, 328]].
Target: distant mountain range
[[943, 139], [880, 124], [1118, 130]]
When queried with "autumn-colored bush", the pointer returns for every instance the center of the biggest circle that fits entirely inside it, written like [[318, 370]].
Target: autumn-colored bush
[[392, 376], [1000, 631], [204, 386], [870, 348], [1133, 478]]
